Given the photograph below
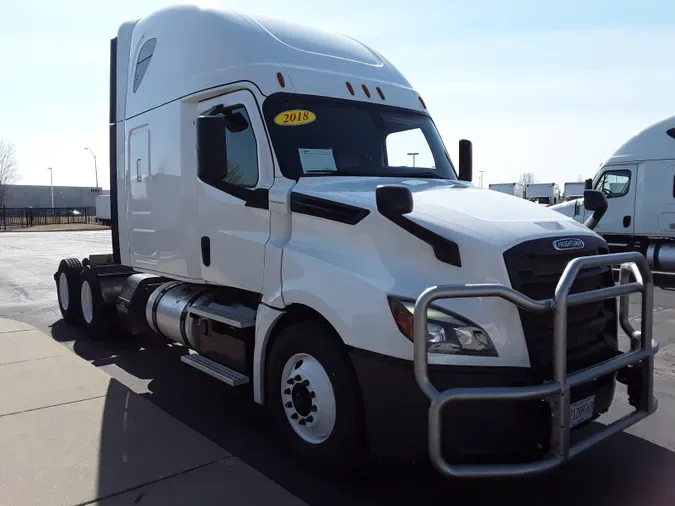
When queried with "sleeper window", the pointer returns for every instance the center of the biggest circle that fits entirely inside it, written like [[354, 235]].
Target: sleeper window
[[144, 58]]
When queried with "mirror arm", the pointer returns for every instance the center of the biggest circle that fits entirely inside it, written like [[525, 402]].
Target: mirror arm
[[595, 218]]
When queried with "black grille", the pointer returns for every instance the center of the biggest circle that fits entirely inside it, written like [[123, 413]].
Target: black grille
[[534, 269]]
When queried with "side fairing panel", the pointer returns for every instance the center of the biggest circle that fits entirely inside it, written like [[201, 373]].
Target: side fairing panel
[[159, 181]]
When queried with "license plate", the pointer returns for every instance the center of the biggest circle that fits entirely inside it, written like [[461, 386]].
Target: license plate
[[581, 411]]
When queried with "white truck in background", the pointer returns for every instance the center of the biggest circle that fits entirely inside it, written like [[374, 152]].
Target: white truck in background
[[573, 190], [103, 208], [639, 183], [543, 193], [515, 189], [275, 229]]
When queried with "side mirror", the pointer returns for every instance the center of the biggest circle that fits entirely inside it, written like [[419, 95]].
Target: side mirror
[[393, 199], [236, 122], [211, 148], [595, 201], [588, 184], [465, 160]]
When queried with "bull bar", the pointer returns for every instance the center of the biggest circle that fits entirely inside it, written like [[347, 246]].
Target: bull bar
[[557, 391]]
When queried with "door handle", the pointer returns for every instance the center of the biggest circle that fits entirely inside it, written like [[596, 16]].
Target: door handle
[[626, 221], [206, 251]]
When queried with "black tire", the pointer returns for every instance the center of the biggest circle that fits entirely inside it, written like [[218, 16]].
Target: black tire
[[344, 450], [70, 310], [101, 321]]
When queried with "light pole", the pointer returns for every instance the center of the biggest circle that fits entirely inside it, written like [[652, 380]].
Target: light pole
[[51, 183], [95, 169], [481, 177], [413, 155]]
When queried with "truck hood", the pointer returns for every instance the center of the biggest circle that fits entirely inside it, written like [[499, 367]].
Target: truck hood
[[453, 206]]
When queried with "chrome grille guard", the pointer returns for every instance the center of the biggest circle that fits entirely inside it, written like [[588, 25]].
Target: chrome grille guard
[[557, 392]]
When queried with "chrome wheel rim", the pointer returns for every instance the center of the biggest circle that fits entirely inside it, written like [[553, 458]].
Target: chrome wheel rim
[[64, 298], [87, 302], [308, 398]]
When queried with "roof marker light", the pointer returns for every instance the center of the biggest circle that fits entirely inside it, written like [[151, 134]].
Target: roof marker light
[[379, 91], [350, 88], [365, 90], [280, 78], [422, 102]]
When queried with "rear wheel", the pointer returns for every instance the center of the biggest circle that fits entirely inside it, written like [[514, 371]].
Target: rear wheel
[[100, 319], [313, 397], [68, 289]]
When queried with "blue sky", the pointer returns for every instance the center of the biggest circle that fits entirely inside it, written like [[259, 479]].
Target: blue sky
[[548, 87]]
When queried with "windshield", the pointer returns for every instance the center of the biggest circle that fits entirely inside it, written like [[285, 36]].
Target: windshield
[[542, 200], [314, 136]]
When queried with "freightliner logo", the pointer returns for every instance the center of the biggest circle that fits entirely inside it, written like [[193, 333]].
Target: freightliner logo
[[568, 244]]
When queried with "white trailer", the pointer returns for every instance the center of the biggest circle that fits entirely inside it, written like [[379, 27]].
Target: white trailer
[[103, 209], [639, 183], [275, 228], [543, 193], [573, 190], [515, 189]]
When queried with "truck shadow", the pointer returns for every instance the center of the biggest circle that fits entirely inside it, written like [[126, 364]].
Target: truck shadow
[[625, 470]]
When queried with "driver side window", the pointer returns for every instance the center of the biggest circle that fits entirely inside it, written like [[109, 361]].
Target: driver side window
[[614, 183], [242, 153]]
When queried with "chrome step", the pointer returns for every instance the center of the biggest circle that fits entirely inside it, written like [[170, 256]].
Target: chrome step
[[218, 371], [240, 317]]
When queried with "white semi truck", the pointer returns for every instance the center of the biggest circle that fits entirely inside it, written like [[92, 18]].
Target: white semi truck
[[543, 193], [265, 217], [515, 189], [639, 183]]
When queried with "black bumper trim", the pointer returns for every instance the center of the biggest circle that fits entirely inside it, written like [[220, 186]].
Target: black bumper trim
[[396, 411]]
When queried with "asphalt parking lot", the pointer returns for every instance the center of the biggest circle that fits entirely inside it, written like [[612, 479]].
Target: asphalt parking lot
[[632, 468]]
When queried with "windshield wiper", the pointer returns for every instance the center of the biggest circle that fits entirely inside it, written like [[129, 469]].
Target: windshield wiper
[[334, 173], [426, 175]]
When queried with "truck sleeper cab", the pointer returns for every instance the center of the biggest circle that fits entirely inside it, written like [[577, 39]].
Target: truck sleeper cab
[[266, 215]]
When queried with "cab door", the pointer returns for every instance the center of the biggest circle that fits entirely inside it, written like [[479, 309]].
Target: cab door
[[233, 211], [618, 183]]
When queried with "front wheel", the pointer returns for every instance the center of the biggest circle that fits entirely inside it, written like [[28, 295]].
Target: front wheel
[[313, 397]]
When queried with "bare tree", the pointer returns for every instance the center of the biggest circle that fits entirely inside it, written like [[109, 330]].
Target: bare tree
[[233, 175], [526, 178], [9, 169]]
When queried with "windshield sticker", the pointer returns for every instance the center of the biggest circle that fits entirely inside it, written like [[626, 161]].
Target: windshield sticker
[[296, 117], [317, 160]]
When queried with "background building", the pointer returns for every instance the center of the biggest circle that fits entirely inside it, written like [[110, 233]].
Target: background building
[[40, 196]]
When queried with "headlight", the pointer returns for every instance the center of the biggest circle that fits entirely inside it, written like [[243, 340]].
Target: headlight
[[446, 333]]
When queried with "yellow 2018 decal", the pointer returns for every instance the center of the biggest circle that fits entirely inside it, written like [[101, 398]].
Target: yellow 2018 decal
[[295, 117]]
